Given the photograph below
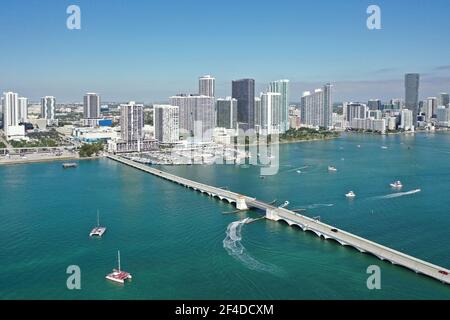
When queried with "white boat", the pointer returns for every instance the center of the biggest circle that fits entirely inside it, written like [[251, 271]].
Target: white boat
[[332, 169], [118, 275], [351, 194], [97, 231], [384, 147], [285, 204], [396, 185], [299, 171]]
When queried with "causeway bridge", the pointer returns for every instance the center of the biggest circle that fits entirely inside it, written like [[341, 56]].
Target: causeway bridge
[[243, 202]]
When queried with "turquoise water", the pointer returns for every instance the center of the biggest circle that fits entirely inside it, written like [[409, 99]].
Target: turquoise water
[[172, 239]]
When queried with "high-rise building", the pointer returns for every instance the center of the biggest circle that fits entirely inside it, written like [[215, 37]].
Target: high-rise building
[[406, 120], [91, 108], [197, 115], [374, 104], [431, 108], [206, 86], [258, 114], [244, 92], [11, 116], [131, 122], [317, 107], [271, 113], [282, 87], [412, 92], [354, 110], [23, 109], [443, 116], [226, 110], [166, 122], [48, 107], [444, 99]]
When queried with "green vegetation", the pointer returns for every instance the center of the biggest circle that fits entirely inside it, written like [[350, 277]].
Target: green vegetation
[[293, 135], [2, 145], [42, 142], [88, 150], [305, 134]]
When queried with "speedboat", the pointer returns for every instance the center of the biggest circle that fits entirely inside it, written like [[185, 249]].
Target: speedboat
[[396, 185], [332, 169], [299, 171], [351, 194]]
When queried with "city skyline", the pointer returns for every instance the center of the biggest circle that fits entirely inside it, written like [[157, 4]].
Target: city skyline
[[71, 62]]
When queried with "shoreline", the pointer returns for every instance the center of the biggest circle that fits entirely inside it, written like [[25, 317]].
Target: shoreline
[[50, 159], [285, 142]]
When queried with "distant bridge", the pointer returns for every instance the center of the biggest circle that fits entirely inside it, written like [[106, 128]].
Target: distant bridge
[[321, 229]]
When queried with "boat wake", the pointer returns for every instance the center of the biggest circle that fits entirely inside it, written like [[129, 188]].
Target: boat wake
[[232, 243], [319, 205], [399, 194]]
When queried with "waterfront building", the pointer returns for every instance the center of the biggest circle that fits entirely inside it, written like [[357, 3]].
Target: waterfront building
[[132, 131], [166, 123], [11, 116], [407, 120], [196, 116], [339, 122], [294, 117], [91, 106], [317, 107], [443, 116], [243, 91], [206, 86], [368, 124], [23, 109], [48, 104], [391, 123], [226, 110], [282, 87], [352, 110], [412, 92], [271, 113]]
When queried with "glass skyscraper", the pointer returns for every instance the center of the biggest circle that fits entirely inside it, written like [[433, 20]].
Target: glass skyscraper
[[412, 92], [244, 92]]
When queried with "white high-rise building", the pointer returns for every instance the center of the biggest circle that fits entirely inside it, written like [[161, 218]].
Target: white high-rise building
[[443, 116], [48, 107], [131, 122], [23, 109], [317, 107], [91, 107], [271, 113], [166, 122], [406, 120], [206, 86], [353, 110], [11, 118], [197, 116], [282, 87]]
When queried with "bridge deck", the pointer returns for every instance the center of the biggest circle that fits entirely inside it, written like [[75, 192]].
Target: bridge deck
[[306, 223]]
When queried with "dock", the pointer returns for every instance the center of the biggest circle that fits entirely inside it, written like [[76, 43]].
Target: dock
[[323, 230]]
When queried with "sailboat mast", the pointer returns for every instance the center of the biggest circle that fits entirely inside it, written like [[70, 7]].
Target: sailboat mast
[[98, 219], [118, 258]]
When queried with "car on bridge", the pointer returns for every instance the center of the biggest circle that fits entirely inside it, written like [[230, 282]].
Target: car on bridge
[[445, 273], [334, 230]]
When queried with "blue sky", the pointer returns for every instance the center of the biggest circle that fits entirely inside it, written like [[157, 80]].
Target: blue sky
[[148, 50]]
